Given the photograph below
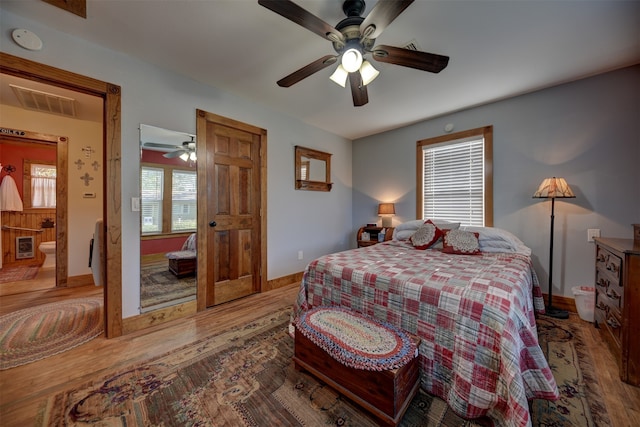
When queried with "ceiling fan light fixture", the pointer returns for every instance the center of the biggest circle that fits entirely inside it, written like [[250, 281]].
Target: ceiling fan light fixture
[[368, 73], [340, 75], [352, 60], [184, 156], [192, 156]]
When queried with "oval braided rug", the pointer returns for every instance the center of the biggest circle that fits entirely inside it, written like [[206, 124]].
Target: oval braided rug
[[42, 331]]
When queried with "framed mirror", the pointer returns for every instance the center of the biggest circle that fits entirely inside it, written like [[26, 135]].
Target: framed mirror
[[313, 169], [168, 218]]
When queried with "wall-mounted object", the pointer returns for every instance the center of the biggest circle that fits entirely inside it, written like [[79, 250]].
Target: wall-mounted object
[[24, 247], [313, 169], [47, 223]]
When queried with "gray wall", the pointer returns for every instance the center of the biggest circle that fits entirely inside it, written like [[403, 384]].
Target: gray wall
[[160, 98], [587, 132]]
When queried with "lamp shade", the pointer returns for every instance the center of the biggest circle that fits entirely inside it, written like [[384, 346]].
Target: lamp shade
[[368, 73], [340, 76], [554, 188], [352, 60], [386, 209]]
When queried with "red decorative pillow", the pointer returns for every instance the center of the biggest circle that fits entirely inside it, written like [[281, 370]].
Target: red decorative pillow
[[426, 235], [461, 242]]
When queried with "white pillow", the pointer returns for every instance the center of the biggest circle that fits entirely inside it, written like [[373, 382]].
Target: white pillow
[[492, 239]]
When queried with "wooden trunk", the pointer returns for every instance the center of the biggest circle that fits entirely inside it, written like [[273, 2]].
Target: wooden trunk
[[182, 267], [385, 394]]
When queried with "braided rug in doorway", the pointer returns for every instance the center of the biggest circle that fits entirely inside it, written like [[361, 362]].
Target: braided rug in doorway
[[45, 330]]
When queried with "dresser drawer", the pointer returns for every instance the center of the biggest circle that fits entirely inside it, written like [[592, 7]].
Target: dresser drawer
[[608, 264], [611, 287]]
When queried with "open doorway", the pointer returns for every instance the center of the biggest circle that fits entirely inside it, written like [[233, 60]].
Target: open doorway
[[110, 96]]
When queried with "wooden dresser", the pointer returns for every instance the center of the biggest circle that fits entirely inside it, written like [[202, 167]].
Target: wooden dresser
[[617, 310]]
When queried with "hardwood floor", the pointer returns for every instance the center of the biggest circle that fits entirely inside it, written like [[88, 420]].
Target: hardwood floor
[[24, 387]]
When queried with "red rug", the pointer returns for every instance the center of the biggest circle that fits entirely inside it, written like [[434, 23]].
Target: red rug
[[18, 272]]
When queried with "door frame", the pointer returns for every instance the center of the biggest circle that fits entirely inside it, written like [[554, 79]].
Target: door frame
[[112, 197], [203, 152]]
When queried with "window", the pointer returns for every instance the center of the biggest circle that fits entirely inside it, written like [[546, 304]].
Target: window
[[42, 184], [183, 201], [455, 177], [151, 203], [169, 200]]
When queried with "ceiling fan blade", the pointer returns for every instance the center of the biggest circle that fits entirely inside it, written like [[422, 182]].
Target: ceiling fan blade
[[382, 14], [307, 70], [158, 145], [300, 16], [358, 90], [174, 154], [410, 58]]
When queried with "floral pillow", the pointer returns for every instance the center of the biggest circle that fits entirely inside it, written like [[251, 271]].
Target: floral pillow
[[461, 242], [426, 235]]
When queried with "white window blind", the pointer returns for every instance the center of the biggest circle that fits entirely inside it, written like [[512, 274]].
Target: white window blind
[[453, 181], [183, 201], [151, 203], [43, 186]]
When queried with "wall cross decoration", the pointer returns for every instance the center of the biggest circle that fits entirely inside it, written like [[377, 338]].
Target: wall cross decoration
[[79, 163], [86, 178], [88, 151], [95, 165]]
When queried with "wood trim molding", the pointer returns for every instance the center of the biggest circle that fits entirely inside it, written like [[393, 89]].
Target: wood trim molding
[[284, 281], [77, 7], [562, 302], [111, 96]]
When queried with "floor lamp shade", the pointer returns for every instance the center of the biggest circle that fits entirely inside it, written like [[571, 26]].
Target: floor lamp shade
[[553, 188]]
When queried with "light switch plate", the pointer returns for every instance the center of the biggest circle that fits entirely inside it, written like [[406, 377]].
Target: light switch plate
[[591, 233], [135, 204]]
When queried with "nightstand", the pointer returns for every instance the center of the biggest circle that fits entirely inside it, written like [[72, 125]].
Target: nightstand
[[373, 232]]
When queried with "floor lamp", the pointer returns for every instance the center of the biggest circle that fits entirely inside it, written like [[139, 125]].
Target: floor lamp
[[553, 188]]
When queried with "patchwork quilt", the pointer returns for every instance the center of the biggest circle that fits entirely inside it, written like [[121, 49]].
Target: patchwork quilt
[[475, 315]]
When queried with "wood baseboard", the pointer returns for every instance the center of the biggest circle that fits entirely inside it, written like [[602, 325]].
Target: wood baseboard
[[562, 302], [284, 281]]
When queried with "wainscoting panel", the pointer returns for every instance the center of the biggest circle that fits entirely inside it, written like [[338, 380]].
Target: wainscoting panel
[[30, 220]]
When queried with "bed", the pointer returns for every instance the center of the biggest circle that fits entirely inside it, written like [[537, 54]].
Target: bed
[[475, 313]]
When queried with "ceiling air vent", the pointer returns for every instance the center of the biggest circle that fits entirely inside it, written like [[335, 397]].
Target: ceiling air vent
[[45, 102], [412, 45]]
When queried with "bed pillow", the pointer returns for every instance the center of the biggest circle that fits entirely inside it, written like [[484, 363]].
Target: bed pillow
[[426, 235], [461, 242], [405, 230], [494, 239]]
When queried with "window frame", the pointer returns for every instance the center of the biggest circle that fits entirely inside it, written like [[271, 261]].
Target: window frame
[[485, 132], [26, 183], [167, 200]]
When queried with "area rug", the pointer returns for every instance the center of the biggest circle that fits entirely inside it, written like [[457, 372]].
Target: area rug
[[240, 377], [580, 402], [158, 285], [44, 330], [18, 272]]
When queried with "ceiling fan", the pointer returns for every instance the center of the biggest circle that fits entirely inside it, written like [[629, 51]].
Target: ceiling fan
[[186, 151], [353, 39]]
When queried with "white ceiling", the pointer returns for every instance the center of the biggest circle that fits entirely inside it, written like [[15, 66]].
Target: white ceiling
[[498, 49]]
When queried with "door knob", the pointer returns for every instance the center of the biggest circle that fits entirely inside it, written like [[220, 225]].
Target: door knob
[[213, 224]]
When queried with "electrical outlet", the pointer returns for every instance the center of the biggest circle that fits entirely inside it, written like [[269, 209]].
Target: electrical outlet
[[300, 255], [591, 233]]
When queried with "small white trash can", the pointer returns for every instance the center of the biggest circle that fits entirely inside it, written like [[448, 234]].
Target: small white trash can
[[585, 301]]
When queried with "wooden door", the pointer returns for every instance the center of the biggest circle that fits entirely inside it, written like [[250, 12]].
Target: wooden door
[[232, 227]]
